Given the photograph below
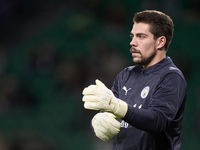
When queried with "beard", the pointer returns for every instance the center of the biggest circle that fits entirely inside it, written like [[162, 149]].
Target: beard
[[144, 61]]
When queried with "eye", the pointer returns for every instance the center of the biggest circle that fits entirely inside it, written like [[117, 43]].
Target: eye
[[141, 36], [131, 35]]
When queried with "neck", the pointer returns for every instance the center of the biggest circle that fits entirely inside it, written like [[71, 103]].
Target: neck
[[159, 56]]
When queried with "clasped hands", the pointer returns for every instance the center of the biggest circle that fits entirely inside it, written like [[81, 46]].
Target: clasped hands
[[99, 97]]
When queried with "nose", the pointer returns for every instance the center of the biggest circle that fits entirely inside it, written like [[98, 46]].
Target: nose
[[133, 42]]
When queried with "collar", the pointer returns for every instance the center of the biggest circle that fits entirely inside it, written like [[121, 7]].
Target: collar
[[156, 66]]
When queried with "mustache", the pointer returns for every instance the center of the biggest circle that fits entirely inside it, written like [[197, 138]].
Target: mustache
[[133, 50]]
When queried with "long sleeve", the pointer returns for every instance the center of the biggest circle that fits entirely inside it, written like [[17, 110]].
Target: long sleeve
[[165, 102]]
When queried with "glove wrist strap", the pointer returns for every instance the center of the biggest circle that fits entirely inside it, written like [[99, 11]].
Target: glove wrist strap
[[116, 106], [121, 109]]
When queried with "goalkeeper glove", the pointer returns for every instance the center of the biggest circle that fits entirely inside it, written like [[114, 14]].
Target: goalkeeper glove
[[105, 126], [99, 97]]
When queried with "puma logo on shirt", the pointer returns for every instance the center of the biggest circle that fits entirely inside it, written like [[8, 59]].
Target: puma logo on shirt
[[126, 90]]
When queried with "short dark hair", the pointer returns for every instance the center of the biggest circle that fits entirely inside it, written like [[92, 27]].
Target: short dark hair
[[160, 24]]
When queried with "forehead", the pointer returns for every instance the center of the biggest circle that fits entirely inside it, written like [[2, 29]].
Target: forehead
[[141, 28]]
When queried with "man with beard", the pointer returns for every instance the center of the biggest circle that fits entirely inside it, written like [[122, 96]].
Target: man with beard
[[144, 108]]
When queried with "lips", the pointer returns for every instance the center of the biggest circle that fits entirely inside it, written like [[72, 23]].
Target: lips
[[134, 51], [135, 54]]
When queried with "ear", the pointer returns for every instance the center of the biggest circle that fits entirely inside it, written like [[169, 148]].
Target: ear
[[160, 42]]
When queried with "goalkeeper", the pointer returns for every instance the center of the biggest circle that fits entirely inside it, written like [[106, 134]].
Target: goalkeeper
[[144, 108]]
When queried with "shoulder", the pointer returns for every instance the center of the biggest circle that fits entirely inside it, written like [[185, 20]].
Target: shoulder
[[172, 69], [131, 69], [174, 74], [126, 74], [168, 67]]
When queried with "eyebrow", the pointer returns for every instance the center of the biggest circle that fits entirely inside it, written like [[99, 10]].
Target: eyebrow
[[137, 34]]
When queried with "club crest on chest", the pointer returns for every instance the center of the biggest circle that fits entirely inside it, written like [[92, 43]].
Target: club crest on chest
[[145, 92]]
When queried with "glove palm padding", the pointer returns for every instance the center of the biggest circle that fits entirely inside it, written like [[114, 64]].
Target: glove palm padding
[[99, 97], [105, 126]]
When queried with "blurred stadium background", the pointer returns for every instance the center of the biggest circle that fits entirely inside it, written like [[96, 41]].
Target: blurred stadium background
[[51, 50]]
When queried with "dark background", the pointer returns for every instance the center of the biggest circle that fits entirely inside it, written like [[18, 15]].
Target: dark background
[[51, 50]]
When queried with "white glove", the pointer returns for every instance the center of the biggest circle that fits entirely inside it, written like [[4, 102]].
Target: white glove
[[99, 97], [105, 125]]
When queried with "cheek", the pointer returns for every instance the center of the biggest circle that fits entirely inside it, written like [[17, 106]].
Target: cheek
[[147, 49]]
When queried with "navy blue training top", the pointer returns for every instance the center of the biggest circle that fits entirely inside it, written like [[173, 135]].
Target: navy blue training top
[[156, 99]]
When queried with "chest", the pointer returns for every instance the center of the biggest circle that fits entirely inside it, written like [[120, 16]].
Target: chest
[[137, 91]]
